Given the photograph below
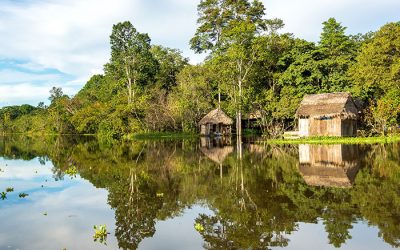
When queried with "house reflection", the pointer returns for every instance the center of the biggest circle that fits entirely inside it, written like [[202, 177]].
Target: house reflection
[[329, 165], [216, 149]]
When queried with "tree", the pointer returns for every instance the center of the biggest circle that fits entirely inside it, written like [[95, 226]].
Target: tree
[[338, 53], [334, 41], [192, 97], [377, 69], [55, 93], [131, 58], [376, 75], [228, 30], [218, 20], [171, 63]]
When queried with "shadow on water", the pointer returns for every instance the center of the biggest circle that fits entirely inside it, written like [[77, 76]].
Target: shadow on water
[[256, 200]]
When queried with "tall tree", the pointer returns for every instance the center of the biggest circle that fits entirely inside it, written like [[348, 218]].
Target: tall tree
[[171, 63], [376, 75], [131, 57], [333, 40], [338, 52], [55, 94], [319, 68], [228, 30]]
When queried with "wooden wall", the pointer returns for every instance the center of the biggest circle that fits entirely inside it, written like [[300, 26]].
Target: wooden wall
[[349, 128], [304, 127], [209, 129], [329, 127]]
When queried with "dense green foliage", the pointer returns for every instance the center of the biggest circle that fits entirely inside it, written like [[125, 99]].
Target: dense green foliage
[[253, 66], [256, 202]]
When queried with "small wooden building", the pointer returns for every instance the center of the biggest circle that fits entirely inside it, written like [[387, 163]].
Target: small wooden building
[[216, 123], [331, 114]]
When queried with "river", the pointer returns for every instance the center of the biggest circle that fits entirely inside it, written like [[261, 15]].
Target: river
[[197, 193]]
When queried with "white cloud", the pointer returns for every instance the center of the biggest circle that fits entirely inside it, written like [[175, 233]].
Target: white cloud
[[70, 36], [304, 18], [21, 93], [73, 36], [8, 76]]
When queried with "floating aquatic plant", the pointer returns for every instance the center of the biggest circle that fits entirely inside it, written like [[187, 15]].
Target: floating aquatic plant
[[3, 195], [9, 189], [100, 234], [23, 195]]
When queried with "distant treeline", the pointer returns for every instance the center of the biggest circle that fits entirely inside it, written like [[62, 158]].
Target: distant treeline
[[253, 66]]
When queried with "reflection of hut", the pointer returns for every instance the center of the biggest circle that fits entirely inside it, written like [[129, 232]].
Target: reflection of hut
[[215, 141], [215, 150], [256, 148], [332, 114], [217, 154], [328, 165], [216, 122]]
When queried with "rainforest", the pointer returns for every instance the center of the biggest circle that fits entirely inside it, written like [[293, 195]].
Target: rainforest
[[250, 66]]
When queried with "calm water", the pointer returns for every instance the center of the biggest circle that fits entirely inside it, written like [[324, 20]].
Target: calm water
[[197, 194]]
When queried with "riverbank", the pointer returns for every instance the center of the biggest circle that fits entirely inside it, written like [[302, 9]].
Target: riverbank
[[161, 135], [336, 140]]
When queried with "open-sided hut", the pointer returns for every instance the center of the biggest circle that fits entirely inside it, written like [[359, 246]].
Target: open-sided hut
[[331, 114], [216, 122]]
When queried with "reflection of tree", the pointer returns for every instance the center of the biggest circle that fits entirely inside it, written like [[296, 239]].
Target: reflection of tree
[[141, 188], [244, 215], [135, 212], [377, 192], [338, 221], [256, 201]]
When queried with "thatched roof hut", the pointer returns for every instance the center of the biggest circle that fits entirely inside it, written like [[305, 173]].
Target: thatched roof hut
[[215, 122], [327, 105], [330, 114], [216, 116]]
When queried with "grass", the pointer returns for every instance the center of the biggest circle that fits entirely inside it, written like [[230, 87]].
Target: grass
[[337, 140], [162, 135]]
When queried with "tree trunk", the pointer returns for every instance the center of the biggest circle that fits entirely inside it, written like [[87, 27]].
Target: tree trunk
[[239, 113], [129, 85]]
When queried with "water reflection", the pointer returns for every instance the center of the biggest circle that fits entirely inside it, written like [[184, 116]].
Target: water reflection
[[258, 201], [216, 149], [329, 165]]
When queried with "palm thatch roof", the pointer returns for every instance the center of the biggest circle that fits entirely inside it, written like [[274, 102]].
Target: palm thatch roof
[[217, 154], [328, 105], [216, 116]]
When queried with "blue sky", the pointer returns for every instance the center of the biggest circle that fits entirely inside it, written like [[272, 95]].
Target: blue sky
[[45, 43]]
